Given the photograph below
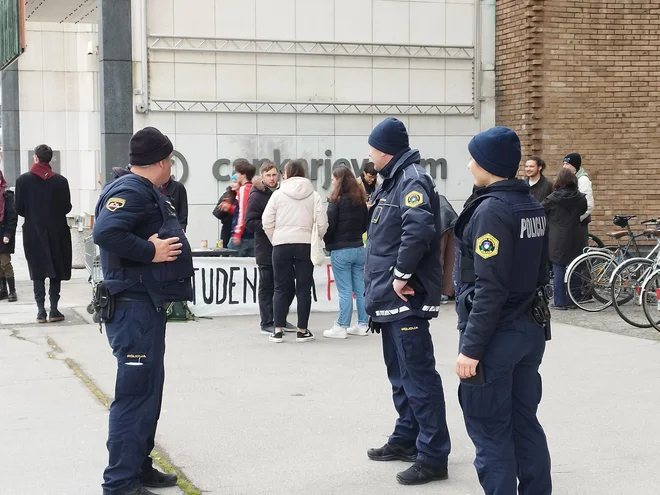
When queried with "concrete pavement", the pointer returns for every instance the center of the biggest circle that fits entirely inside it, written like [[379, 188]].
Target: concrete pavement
[[244, 416]]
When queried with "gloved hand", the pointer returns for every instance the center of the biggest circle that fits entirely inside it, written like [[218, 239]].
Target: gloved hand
[[374, 326]]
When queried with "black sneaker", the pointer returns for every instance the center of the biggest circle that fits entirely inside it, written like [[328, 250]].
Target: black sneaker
[[289, 327], [559, 308], [276, 337], [42, 317], [156, 479], [420, 474], [55, 316], [389, 452], [267, 330], [305, 336]]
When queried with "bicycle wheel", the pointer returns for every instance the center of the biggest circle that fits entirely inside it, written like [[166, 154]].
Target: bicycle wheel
[[625, 289], [650, 297], [588, 281]]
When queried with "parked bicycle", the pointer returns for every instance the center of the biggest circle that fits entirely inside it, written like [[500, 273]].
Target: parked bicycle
[[588, 276], [650, 298], [627, 280]]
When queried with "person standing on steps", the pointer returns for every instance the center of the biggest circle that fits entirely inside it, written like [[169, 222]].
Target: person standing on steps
[[43, 198], [8, 221], [403, 280], [501, 262], [147, 266]]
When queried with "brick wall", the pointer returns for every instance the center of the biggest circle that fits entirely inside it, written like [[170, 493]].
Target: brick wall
[[585, 76]]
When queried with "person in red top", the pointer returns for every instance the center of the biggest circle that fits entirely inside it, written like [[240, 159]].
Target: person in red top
[[242, 240]]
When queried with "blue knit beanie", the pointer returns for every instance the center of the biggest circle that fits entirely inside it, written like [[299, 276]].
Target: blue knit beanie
[[497, 150], [390, 136]]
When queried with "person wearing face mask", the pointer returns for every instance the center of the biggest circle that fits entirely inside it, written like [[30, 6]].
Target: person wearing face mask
[[501, 262], [403, 281], [147, 265]]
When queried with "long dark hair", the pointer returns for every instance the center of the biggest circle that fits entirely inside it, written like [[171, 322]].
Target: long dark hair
[[347, 185], [566, 179], [231, 194]]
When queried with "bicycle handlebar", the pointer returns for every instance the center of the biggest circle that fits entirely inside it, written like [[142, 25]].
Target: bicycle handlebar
[[650, 220]]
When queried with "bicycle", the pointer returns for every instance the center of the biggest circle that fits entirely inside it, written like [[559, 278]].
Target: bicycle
[[627, 280], [594, 241], [650, 298], [588, 276]]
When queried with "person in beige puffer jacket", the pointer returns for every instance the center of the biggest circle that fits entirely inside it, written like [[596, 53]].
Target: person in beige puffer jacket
[[287, 221]]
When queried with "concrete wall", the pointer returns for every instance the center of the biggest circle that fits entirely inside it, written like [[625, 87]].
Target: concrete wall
[[59, 103], [204, 138]]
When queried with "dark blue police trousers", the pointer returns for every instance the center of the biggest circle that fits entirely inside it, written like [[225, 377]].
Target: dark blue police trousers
[[137, 338], [500, 415], [416, 389]]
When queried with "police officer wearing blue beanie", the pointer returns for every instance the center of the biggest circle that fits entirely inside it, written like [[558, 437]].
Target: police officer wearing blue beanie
[[501, 260], [403, 280], [147, 265]]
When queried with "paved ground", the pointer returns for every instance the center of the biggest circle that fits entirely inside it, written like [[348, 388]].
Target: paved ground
[[244, 416]]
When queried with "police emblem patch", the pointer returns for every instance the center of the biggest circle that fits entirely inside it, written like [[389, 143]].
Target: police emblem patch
[[114, 204], [487, 246], [413, 198]]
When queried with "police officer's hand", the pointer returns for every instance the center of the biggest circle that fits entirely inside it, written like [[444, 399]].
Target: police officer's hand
[[402, 289], [466, 367], [166, 249]]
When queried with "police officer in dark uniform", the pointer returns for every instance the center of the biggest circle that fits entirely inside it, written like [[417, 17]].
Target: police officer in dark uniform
[[403, 280], [147, 265], [501, 256]]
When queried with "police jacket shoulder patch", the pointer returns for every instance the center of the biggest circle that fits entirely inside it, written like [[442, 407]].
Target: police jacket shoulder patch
[[487, 246]]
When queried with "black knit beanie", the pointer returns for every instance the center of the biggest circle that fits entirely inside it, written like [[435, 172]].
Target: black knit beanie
[[574, 159], [149, 146]]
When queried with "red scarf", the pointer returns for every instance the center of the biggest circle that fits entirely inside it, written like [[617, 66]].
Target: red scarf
[[3, 186], [42, 170]]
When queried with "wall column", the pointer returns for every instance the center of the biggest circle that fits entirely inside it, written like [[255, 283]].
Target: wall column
[[11, 130], [116, 81]]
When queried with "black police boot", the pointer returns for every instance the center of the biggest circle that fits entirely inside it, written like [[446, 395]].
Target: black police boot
[[420, 474], [393, 452], [3, 288], [11, 296], [156, 479]]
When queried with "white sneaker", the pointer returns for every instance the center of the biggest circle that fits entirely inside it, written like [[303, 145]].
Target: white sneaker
[[336, 332], [359, 330]]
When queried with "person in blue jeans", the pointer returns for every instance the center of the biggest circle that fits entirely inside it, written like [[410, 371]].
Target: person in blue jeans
[[563, 208], [347, 222]]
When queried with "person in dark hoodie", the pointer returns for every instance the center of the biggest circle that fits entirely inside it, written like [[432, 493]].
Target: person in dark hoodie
[[43, 198], [179, 197], [8, 221], [563, 209], [262, 189]]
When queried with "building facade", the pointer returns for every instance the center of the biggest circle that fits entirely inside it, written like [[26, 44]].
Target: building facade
[[584, 76], [257, 79]]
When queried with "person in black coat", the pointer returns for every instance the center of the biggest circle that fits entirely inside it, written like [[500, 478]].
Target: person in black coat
[[260, 193], [539, 185], [565, 240], [43, 198], [347, 222], [179, 197], [8, 221]]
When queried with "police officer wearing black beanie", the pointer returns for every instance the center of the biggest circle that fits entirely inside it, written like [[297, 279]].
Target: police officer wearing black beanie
[[403, 280], [501, 261], [147, 265]]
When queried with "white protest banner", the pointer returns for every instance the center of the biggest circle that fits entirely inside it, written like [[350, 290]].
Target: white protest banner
[[229, 286]]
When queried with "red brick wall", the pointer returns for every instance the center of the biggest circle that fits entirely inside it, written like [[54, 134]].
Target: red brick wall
[[593, 75]]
